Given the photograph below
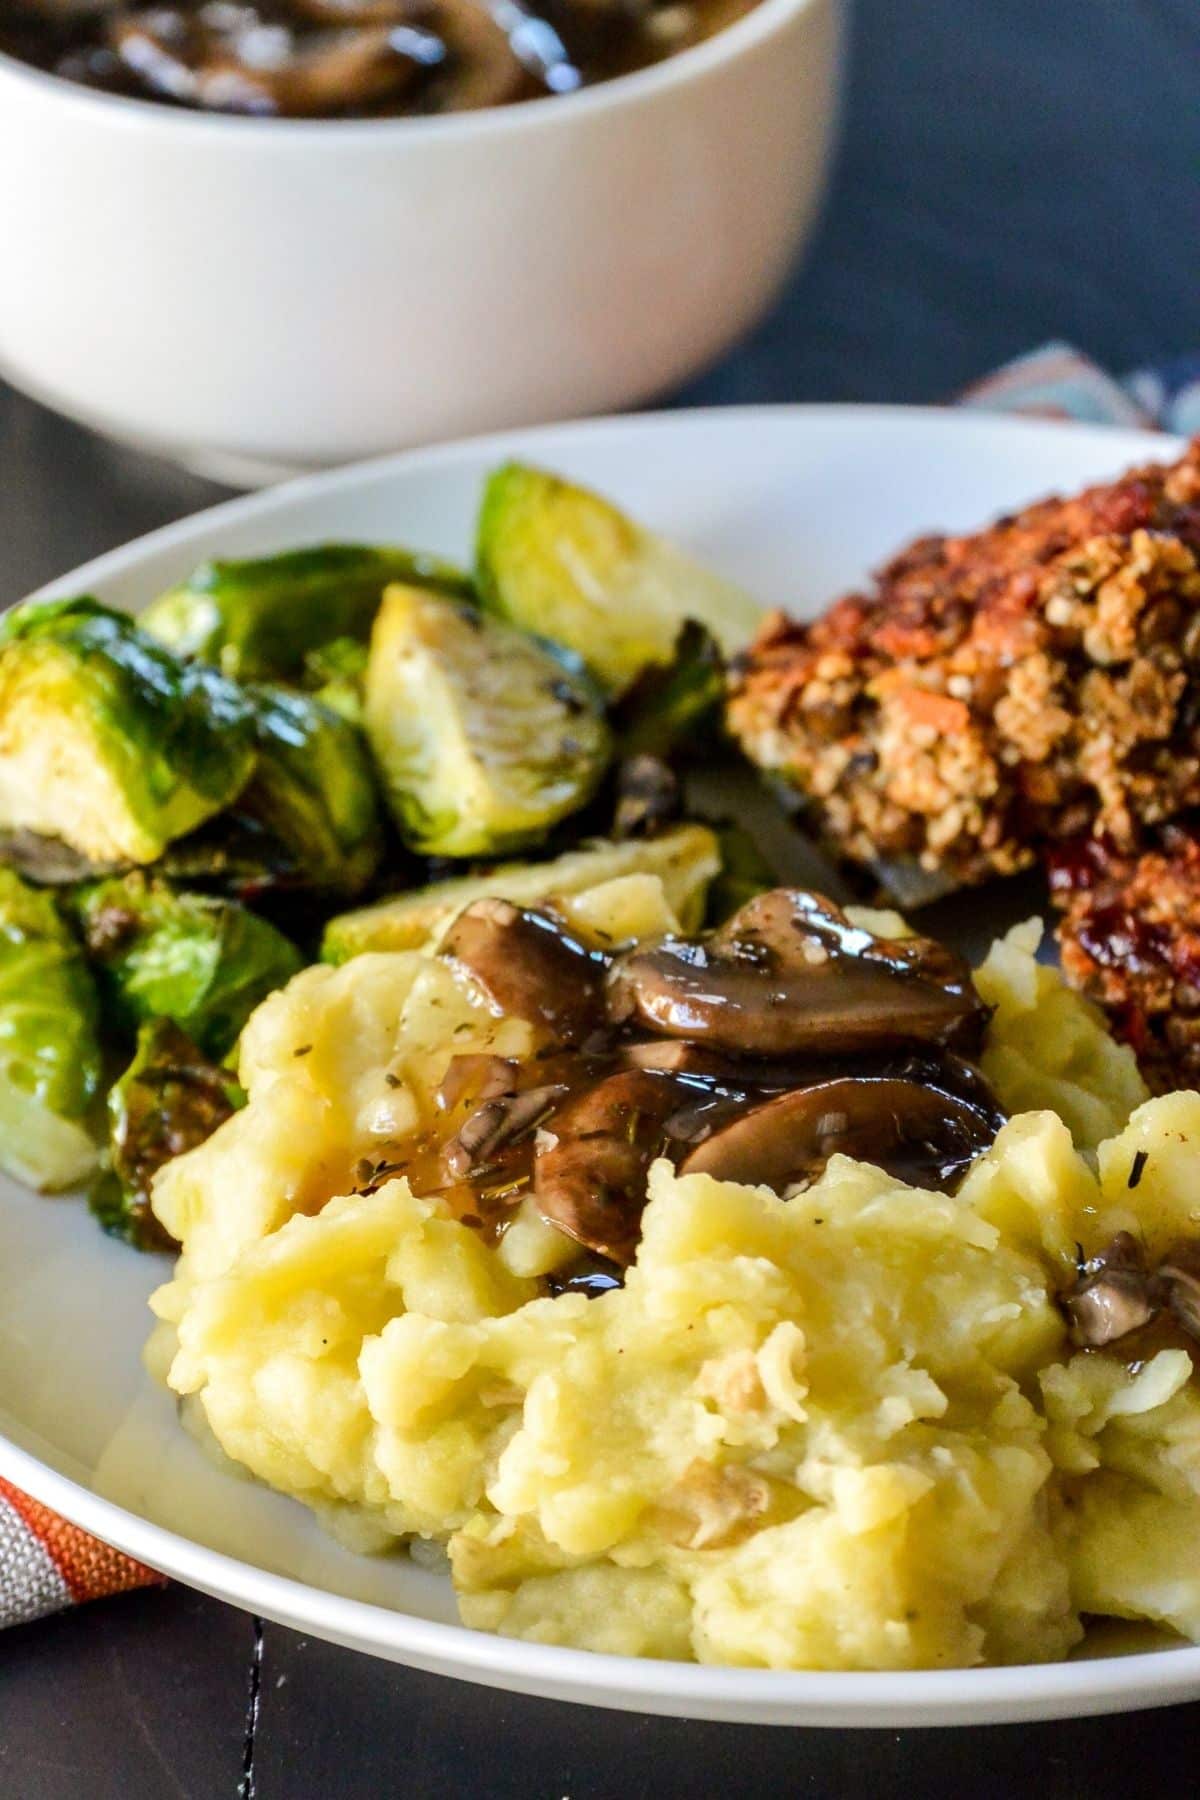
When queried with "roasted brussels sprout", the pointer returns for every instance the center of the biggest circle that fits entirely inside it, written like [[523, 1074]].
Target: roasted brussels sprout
[[169, 1099], [49, 1051], [685, 859], [202, 962], [561, 562], [483, 739], [259, 618], [313, 790], [107, 741], [663, 711], [335, 674]]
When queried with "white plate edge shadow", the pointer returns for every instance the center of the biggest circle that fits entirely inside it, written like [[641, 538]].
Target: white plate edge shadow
[[1157, 1677]]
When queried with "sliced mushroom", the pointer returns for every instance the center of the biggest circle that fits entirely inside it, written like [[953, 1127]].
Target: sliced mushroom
[[1179, 1282], [365, 12], [529, 967], [1114, 1295], [589, 1171], [920, 1134], [789, 975], [483, 68], [229, 57]]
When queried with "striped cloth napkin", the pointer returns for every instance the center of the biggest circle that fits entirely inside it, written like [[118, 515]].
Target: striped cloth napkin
[[45, 1563]]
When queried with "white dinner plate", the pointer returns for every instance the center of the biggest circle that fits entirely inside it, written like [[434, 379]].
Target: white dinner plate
[[796, 502]]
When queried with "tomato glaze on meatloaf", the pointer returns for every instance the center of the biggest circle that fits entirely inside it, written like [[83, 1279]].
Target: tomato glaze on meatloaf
[[993, 693], [1129, 934]]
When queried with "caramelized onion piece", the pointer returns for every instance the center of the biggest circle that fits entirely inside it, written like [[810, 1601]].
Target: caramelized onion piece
[[917, 1132], [789, 974], [1114, 1295], [675, 1056], [589, 1171], [474, 1078], [529, 967], [496, 1125], [648, 797]]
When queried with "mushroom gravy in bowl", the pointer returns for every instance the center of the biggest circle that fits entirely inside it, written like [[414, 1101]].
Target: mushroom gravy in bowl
[[349, 59]]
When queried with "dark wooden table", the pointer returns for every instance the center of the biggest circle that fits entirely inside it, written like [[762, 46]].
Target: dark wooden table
[[1010, 172]]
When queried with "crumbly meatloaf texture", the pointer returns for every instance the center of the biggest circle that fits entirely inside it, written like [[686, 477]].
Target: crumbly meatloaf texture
[[1130, 939], [996, 692]]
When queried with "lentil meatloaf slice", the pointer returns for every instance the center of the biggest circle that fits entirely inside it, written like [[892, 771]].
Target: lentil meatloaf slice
[[1129, 935], [993, 693]]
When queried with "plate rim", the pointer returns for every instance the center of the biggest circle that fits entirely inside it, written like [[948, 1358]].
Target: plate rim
[[261, 502], [881, 1699]]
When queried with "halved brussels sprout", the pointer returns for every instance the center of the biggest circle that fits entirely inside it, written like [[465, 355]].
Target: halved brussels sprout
[[313, 790], [170, 1098], [49, 1050], [202, 962], [258, 618], [335, 674], [107, 741], [568, 565], [685, 859], [482, 738], [668, 702]]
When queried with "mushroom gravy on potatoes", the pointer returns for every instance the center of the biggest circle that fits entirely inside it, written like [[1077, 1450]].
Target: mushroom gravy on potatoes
[[347, 59], [705, 1343]]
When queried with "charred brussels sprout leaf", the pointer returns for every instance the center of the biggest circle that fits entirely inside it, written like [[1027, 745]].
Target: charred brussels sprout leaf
[[204, 963], [483, 740], [49, 1052], [259, 618], [335, 674], [662, 713], [684, 858], [169, 1099], [232, 854], [313, 790], [568, 565], [107, 741]]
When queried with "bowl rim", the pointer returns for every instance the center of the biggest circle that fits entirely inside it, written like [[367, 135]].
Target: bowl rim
[[764, 20]]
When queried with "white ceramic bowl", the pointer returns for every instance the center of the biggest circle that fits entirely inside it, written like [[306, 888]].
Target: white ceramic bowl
[[772, 497], [254, 296]]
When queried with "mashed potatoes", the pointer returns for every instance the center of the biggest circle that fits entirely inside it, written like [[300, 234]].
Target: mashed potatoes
[[842, 1431]]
